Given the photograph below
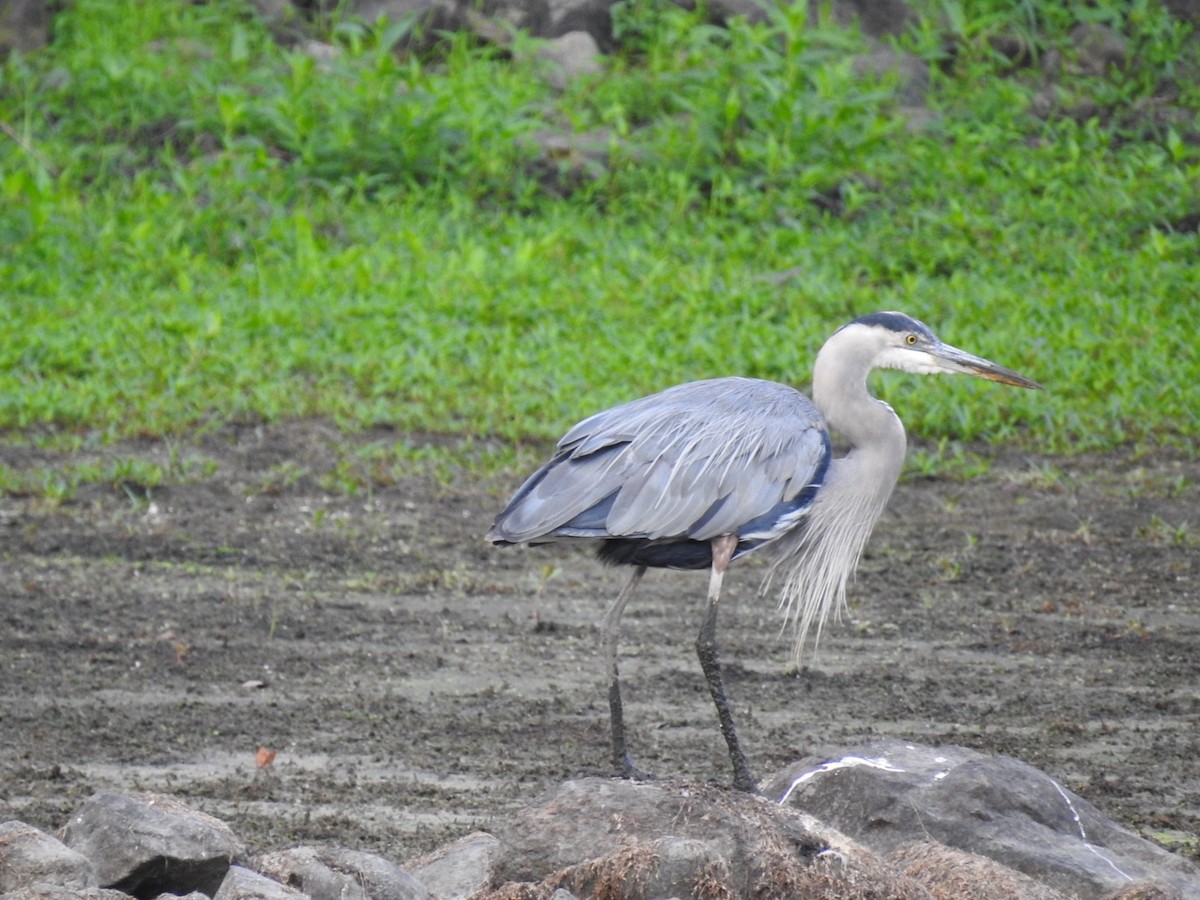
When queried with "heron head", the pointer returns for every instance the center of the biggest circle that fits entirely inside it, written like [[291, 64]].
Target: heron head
[[904, 343]]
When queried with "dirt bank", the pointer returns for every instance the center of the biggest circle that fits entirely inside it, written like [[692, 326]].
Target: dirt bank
[[417, 683]]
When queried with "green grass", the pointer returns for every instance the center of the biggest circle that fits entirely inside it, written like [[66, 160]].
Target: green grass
[[200, 226]]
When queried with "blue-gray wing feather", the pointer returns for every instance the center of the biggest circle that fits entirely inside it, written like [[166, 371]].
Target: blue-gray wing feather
[[691, 463]]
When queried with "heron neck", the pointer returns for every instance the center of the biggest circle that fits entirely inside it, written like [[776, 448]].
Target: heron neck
[[873, 429]]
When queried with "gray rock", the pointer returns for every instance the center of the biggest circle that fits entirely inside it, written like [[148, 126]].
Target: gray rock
[[886, 794], [569, 56], [458, 869], [565, 161], [147, 844], [966, 876], [28, 856], [43, 891], [911, 72], [753, 11], [394, 10], [275, 12], [592, 16], [602, 837], [1099, 48], [875, 18], [490, 20], [330, 873], [242, 884], [24, 25], [1187, 10]]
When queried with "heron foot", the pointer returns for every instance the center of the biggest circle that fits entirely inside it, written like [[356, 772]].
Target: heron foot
[[744, 781], [626, 769]]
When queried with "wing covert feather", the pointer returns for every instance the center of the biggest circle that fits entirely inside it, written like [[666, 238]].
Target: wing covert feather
[[692, 462]]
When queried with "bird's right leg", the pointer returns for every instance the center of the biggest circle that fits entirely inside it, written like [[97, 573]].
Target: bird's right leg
[[723, 548], [612, 630]]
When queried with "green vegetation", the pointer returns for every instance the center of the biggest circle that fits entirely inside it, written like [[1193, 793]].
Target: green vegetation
[[200, 225]]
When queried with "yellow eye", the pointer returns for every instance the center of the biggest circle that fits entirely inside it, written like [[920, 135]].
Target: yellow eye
[[910, 338]]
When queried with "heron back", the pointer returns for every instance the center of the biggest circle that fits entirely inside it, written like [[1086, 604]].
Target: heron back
[[659, 477]]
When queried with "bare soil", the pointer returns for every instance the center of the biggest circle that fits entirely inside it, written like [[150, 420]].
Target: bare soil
[[416, 683]]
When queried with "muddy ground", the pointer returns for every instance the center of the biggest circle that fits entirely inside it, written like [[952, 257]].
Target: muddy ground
[[416, 683]]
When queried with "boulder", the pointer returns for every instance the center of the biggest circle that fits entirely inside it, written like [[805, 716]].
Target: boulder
[[569, 56], [344, 874], [458, 869], [875, 18], [43, 891], [243, 884], [958, 875], [910, 71], [592, 16], [886, 794], [148, 844], [24, 25], [1187, 10], [489, 20], [1099, 48], [29, 856], [613, 838]]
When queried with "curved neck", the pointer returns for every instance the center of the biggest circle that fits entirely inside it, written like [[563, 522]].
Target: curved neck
[[840, 393]]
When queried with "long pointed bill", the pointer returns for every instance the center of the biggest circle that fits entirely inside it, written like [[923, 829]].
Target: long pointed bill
[[951, 359]]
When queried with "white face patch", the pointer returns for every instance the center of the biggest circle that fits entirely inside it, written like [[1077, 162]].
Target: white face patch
[[905, 359]]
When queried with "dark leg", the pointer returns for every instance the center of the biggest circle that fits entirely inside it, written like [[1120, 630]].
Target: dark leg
[[706, 649], [612, 630]]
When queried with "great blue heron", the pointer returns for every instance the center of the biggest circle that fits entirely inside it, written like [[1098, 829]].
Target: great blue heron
[[706, 472]]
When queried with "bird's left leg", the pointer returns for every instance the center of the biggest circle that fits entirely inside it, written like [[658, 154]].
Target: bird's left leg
[[706, 649], [612, 630]]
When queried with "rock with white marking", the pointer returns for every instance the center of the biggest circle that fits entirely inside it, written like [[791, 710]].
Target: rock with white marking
[[29, 856], [885, 794], [147, 844]]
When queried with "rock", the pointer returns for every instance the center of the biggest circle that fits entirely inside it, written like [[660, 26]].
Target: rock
[[490, 20], [886, 794], [569, 56], [43, 891], [565, 161], [592, 16], [612, 838], [1187, 10], [148, 844], [28, 856], [275, 12], [24, 25], [752, 11], [458, 869], [1098, 48], [958, 875], [1146, 891], [242, 884], [875, 18], [328, 872], [911, 72]]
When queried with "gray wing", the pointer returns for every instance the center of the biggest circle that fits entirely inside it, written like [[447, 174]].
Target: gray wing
[[694, 462]]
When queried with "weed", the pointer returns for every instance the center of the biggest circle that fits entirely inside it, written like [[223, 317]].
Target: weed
[[1159, 531], [946, 459]]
